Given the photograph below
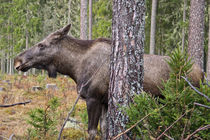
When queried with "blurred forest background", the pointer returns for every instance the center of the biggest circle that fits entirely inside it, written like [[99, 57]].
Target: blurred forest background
[[25, 22]]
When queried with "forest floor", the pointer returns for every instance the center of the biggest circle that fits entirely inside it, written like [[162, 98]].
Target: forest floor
[[18, 88]]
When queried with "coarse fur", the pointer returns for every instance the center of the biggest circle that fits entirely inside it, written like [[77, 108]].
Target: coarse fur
[[87, 63]]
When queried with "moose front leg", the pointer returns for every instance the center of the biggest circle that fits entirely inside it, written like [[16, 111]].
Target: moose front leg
[[94, 108]]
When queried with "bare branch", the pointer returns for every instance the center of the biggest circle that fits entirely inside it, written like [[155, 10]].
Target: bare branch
[[196, 131], [21, 103], [169, 137], [10, 138], [114, 138], [67, 118], [200, 93], [173, 124], [202, 105]]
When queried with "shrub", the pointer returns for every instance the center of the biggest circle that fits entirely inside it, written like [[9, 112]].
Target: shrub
[[177, 107], [44, 120]]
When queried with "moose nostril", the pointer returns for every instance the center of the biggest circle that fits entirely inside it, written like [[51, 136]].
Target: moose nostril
[[17, 65]]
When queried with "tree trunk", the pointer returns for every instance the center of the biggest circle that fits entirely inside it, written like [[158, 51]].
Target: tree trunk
[[83, 19], [2, 61], [208, 61], [196, 31], [90, 19], [69, 13], [153, 26], [183, 29], [126, 65]]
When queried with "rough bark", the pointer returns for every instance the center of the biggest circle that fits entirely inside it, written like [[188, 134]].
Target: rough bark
[[208, 61], [196, 31], [83, 19], [153, 27], [90, 19], [126, 66], [183, 29]]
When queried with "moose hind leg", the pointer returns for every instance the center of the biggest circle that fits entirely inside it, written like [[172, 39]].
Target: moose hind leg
[[94, 112], [103, 121]]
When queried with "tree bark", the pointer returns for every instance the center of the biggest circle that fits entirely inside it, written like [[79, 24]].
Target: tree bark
[[90, 19], [153, 27], [183, 29], [196, 31], [83, 19], [126, 65], [208, 61]]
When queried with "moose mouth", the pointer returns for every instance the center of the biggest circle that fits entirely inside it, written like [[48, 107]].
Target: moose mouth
[[22, 67]]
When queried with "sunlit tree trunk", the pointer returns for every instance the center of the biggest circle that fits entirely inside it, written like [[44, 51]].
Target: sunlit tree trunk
[[153, 27], [196, 31], [126, 66], [90, 19], [183, 29], [83, 19], [208, 61]]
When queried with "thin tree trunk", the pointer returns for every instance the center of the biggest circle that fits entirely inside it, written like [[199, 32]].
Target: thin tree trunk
[[153, 26], [2, 61], [196, 31], [126, 65], [208, 61], [83, 19], [69, 14], [90, 19], [183, 29]]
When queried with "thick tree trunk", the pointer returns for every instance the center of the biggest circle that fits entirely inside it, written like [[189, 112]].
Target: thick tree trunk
[[208, 61], [196, 31], [90, 19], [126, 66], [183, 29], [83, 19], [153, 27]]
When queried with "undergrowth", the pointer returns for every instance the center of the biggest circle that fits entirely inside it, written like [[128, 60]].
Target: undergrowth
[[177, 111]]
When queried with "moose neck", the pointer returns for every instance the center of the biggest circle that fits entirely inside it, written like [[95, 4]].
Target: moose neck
[[70, 56]]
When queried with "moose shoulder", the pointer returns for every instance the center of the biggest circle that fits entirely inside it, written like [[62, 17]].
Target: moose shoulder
[[87, 63]]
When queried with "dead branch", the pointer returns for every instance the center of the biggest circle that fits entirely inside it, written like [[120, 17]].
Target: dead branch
[[67, 118], [202, 105], [200, 93], [206, 81], [127, 130], [173, 124], [10, 138], [168, 137], [196, 131], [21, 103]]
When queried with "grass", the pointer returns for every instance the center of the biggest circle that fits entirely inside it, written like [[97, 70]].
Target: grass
[[19, 89]]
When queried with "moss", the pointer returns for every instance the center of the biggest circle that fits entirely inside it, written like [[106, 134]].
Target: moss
[[74, 134]]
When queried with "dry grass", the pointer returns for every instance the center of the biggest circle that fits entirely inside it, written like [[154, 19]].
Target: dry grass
[[19, 89]]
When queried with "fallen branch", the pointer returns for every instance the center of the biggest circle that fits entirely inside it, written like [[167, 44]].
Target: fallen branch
[[127, 130], [10, 138], [202, 105], [172, 124], [200, 93], [67, 118], [196, 131], [21, 103]]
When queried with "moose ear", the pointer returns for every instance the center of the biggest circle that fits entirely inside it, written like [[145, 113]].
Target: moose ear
[[62, 32], [65, 30]]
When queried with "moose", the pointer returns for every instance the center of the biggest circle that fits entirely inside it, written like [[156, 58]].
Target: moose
[[87, 63]]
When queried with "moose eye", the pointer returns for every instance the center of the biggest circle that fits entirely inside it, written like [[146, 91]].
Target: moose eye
[[41, 46]]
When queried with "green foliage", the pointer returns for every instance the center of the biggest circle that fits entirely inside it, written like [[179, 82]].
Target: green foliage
[[44, 120], [179, 100], [102, 18]]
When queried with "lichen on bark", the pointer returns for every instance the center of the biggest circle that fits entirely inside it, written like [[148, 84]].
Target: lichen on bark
[[126, 66]]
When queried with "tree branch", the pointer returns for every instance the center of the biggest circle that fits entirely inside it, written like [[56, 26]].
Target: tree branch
[[114, 138], [200, 93], [21, 103], [196, 131], [67, 118], [202, 105], [173, 124]]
